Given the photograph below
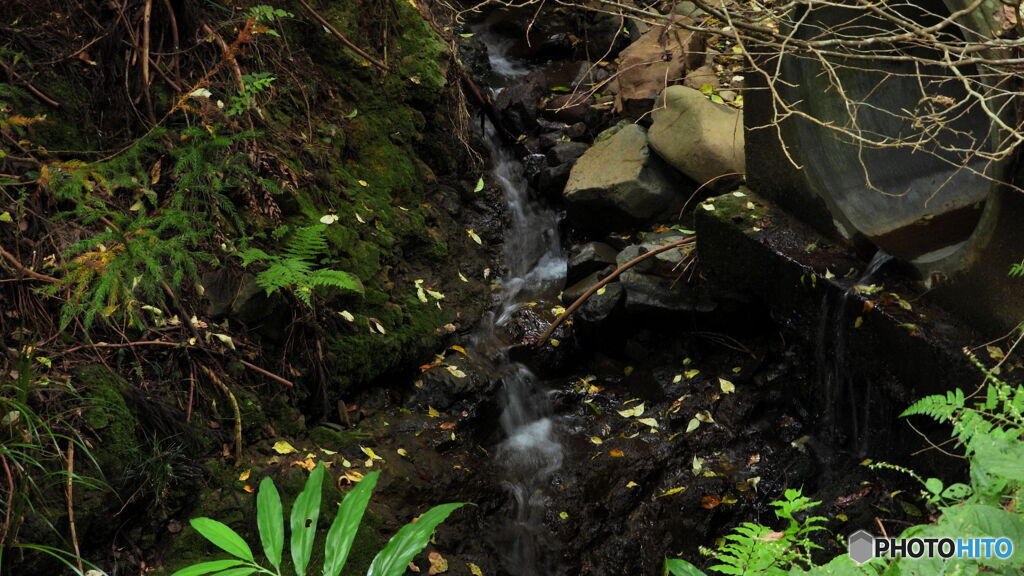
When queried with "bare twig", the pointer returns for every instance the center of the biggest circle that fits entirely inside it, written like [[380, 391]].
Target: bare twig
[[604, 281], [69, 491], [234, 407], [348, 43], [167, 344], [25, 269]]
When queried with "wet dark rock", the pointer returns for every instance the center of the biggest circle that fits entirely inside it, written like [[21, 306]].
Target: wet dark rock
[[585, 259], [576, 131], [518, 102], [533, 165], [552, 180], [234, 294], [448, 198], [473, 56], [602, 304], [220, 287], [267, 314], [619, 182], [603, 36], [442, 388], [655, 284], [548, 140], [572, 293], [568, 108], [565, 153], [648, 293]]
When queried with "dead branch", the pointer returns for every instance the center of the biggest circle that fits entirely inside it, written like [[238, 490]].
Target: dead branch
[[348, 43], [26, 270], [234, 408], [604, 281], [196, 346], [69, 492], [30, 87]]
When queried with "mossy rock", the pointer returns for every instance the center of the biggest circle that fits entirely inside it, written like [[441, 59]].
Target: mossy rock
[[109, 418]]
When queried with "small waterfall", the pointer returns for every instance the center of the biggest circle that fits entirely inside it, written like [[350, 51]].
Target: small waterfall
[[839, 389], [531, 452]]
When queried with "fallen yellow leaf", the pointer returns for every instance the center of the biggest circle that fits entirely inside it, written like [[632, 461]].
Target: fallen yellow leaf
[[283, 447]]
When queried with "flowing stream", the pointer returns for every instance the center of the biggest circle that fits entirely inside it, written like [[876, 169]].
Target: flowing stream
[[834, 373], [531, 451]]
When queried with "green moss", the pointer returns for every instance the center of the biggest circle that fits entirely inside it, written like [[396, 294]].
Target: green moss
[[412, 332], [109, 417], [333, 439]]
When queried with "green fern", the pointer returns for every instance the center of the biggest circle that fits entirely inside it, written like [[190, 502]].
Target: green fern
[[756, 549], [296, 267], [1017, 270], [149, 236]]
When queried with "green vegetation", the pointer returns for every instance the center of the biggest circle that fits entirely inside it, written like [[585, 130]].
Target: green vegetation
[[988, 425], [392, 560], [35, 444], [293, 268]]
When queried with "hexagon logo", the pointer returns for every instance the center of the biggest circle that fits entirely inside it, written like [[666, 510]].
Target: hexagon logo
[[861, 546]]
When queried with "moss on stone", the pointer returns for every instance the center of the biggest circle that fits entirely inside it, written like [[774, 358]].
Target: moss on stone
[[412, 331]]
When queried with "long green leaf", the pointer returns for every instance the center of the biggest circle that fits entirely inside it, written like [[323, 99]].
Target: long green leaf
[[243, 571], [270, 519], [207, 567], [413, 537], [346, 524], [678, 567], [222, 537], [305, 513]]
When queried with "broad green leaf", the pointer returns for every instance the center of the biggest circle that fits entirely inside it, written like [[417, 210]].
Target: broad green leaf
[[204, 568], [346, 524], [677, 567], [409, 541], [305, 513], [998, 455], [222, 537], [270, 519], [241, 571]]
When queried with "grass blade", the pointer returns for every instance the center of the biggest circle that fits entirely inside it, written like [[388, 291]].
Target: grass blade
[[409, 541], [223, 537], [270, 519], [305, 513], [346, 524]]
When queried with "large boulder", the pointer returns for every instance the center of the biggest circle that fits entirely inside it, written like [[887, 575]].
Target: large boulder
[[661, 56], [696, 136], [619, 182]]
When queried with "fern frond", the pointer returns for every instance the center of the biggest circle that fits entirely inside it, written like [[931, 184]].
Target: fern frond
[[335, 278]]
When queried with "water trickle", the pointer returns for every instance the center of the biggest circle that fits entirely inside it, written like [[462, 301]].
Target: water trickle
[[846, 400], [531, 452]]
